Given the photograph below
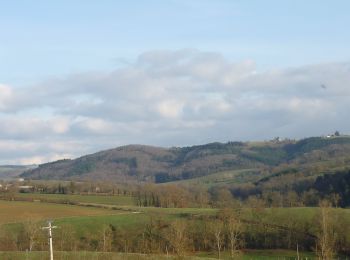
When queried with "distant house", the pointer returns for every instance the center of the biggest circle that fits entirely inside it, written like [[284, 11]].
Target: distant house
[[336, 134], [25, 188]]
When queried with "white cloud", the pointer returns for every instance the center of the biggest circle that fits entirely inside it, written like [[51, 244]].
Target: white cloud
[[5, 96], [171, 98], [95, 126], [170, 109], [60, 125]]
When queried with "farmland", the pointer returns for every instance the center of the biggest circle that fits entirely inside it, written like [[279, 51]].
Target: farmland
[[174, 130], [87, 224], [76, 198], [17, 211], [93, 216], [85, 255]]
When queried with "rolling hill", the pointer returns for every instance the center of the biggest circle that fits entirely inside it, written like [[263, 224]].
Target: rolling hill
[[270, 160], [8, 172]]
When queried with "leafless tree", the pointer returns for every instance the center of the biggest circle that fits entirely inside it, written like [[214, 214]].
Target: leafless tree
[[217, 230], [65, 237], [326, 238], [32, 231], [107, 238], [177, 237], [234, 230]]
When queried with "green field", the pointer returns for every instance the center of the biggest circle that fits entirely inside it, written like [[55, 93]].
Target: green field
[[118, 200], [93, 217], [83, 256], [245, 255], [85, 221], [17, 211], [89, 219], [275, 254], [224, 177]]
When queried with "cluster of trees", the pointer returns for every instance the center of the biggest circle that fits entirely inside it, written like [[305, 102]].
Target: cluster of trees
[[177, 196], [29, 236], [226, 231], [157, 236], [68, 187], [282, 192], [332, 187], [170, 196]]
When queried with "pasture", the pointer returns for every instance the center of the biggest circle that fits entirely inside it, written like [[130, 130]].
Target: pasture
[[117, 200], [92, 217], [85, 255], [84, 221], [17, 211]]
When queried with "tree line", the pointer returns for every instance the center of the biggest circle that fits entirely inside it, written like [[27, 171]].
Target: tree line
[[226, 231]]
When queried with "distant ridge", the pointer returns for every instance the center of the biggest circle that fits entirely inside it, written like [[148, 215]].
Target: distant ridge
[[8, 172], [155, 164]]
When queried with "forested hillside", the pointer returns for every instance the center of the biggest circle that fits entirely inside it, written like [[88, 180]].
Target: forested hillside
[[276, 163]]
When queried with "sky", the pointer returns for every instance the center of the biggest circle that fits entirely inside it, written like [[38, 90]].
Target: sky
[[80, 76]]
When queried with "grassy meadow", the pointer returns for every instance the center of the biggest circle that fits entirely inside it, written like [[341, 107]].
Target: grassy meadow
[[17, 211], [121, 213], [222, 177], [118, 200], [85, 255]]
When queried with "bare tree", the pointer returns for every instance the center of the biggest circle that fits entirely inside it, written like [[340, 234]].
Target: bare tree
[[8, 240], [326, 237], [335, 198], [177, 237], [217, 230], [31, 230], [65, 237], [107, 238], [234, 230]]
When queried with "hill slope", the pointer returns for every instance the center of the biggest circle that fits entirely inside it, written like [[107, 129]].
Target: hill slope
[[12, 171], [155, 164]]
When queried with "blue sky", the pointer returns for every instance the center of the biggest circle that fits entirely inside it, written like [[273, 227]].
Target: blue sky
[[49, 38], [80, 76]]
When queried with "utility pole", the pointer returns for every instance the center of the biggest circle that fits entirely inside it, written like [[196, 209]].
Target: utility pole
[[298, 252], [49, 228]]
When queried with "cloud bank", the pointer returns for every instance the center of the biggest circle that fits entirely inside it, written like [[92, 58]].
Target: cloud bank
[[170, 98]]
